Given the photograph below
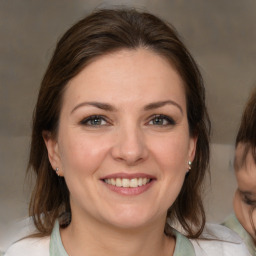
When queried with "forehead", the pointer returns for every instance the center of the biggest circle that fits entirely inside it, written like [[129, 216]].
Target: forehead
[[127, 74], [246, 172]]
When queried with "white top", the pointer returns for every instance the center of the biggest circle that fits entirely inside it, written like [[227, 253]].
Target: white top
[[233, 223], [216, 240], [221, 242]]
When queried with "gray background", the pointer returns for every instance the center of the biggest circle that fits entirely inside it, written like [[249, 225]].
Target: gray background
[[220, 34]]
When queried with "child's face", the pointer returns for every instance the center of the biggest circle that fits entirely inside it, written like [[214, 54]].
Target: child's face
[[245, 196]]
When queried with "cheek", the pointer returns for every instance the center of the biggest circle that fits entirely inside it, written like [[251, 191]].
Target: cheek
[[249, 221], [243, 214], [82, 154], [240, 209], [254, 224], [171, 152]]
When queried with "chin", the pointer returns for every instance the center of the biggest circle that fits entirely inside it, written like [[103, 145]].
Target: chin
[[130, 219], [128, 224]]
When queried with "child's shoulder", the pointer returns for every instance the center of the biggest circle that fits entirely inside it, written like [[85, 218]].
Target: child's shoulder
[[219, 240]]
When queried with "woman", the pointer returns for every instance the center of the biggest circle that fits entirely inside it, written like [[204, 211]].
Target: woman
[[244, 219], [120, 143]]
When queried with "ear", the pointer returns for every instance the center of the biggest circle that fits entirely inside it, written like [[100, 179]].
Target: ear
[[53, 151], [192, 148]]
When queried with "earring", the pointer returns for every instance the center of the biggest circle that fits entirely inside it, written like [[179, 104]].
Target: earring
[[189, 165], [56, 170]]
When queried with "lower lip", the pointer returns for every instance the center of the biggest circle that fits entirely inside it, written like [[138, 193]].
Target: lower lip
[[130, 191]]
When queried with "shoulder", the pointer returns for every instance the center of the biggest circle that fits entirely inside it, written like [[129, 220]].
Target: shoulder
[[30, 246], [231, 222], [219, 240], [18, 245]]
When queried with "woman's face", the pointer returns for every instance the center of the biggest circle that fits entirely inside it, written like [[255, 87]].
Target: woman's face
[[123, 142], [245, 196]]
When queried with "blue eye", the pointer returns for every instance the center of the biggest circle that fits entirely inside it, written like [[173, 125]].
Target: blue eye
[[161, 120], [94, 121]]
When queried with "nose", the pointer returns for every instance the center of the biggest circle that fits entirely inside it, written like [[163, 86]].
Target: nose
[[130, 146]]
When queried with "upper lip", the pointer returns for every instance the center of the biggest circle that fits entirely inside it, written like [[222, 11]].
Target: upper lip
[[128, 176]]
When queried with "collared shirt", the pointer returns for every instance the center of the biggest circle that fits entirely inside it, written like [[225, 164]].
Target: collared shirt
[[183, 246], [215, 240], [233, 223]]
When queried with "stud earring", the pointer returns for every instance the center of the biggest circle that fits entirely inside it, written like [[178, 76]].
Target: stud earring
[[189, 165], [56, 170]]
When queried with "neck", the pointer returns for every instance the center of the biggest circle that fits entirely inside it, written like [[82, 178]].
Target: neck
[[87, 237]]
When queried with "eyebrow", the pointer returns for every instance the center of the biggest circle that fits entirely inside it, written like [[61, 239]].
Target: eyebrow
[[247, 193], [160, 104], [99, 105], [108, 107]]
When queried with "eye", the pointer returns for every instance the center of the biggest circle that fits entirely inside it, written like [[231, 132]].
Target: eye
[[94, 121], [249, 201], [161, 120]]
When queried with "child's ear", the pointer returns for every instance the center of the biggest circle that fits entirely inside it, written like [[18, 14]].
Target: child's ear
[[53, 151]]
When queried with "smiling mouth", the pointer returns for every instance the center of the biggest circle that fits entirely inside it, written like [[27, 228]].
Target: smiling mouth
[[127, 183]]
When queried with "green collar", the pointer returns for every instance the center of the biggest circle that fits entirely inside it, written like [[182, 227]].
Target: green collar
[[56, 246], [183, 246]]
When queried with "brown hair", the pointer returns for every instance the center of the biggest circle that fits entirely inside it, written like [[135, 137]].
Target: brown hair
[[247, 136], [247, 130], [102, 32]]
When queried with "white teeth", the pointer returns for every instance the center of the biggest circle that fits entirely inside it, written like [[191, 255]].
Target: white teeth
[[127, 183], [118, 182], [134, 183]]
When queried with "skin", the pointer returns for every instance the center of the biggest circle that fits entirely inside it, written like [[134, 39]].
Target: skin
[[245, 195], [128, 140]]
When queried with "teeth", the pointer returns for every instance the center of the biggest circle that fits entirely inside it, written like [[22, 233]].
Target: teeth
[[133, 183], [127, 183], [118, 182]]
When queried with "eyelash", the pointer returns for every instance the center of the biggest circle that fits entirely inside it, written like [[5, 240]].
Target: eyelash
[[168, 119], [248, 201], [162, 119], [94, 118]]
